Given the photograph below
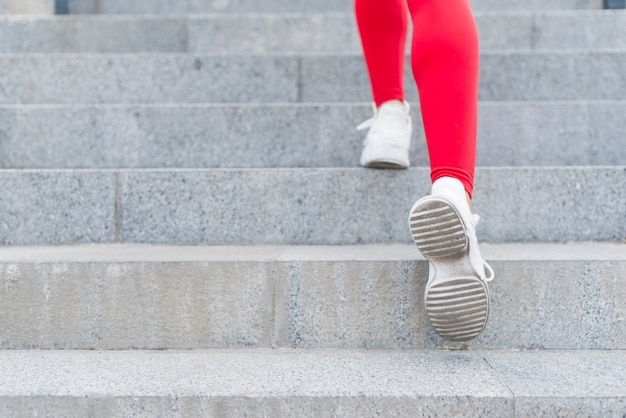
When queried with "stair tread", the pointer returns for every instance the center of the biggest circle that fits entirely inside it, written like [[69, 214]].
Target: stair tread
[[502, 383]]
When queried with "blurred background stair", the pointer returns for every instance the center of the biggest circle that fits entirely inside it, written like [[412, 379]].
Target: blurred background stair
[[181, 189]]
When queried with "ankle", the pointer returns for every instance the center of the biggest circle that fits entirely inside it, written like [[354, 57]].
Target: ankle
[[452, 187], [396, 102]]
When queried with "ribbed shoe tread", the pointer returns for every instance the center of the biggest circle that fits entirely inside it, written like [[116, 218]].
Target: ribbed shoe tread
[[458, 309], [437, 229]]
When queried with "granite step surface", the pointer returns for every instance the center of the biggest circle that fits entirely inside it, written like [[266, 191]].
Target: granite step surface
[[130, 296], [299, 206], [534, 133], [201, 78], [277, 6], [251, 383], [323, 33]]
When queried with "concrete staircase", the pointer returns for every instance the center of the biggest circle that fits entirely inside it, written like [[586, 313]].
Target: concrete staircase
[[187, 232]]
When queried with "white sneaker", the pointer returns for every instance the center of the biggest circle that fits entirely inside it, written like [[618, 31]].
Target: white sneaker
[[444, 230], [389, 138]]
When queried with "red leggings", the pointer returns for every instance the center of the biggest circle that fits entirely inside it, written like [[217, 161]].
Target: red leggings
[[445, 61]]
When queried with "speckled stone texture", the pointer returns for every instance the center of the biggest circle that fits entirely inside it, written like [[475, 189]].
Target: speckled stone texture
[[539, 75], [298, 33], [565, 384], [253, 383], [153, 78], [295, 206], [599, 29], [337, 33], [314, 383], [153, 297], [92, 34], [183, 136], [237, 126], [564, 304], [536, 4], [28, 7], [555, 210], [274, 6], [347, 206], [201, 78], [136, 305], [54, 206], [305, 135], [551, 133]]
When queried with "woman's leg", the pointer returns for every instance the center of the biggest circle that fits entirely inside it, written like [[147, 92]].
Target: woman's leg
[[383, 28], [445, 58], [445, 63]]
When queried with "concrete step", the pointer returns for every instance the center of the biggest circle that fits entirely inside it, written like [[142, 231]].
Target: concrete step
[[278, 6], [545, 296], [291, 33], [196, 78], [27, 7], [299, 206], [292, 135], [287, 383]]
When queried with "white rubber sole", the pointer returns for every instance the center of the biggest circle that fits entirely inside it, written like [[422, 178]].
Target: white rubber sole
[[385, 157], [456, 300]]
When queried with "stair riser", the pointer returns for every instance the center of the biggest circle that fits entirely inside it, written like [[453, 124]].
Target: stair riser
[[510, 134], [299, 34], [275, 6], [503, 76], [536, 304], [74, 79], [314, 206], [246, 406], [34, 7], [49, 207], [360, 206]]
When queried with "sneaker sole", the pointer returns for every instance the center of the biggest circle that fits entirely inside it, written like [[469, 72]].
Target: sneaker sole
[[386, 164], [457, 302], [385, 157]]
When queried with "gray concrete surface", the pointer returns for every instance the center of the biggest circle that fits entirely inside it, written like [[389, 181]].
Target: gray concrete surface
[[299, 206], [546, 296], [125, 297], [27, 7], [554, 383], [62, 34], [162, 78], [596, 30], [540, 75], [305, 135], [290, 33], [56, 206], [195, 78], [210, 6], [536, 4], [313, 383], [345, 206]]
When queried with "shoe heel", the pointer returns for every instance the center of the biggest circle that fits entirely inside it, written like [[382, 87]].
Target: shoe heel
[[437, 229], [458, 309]]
